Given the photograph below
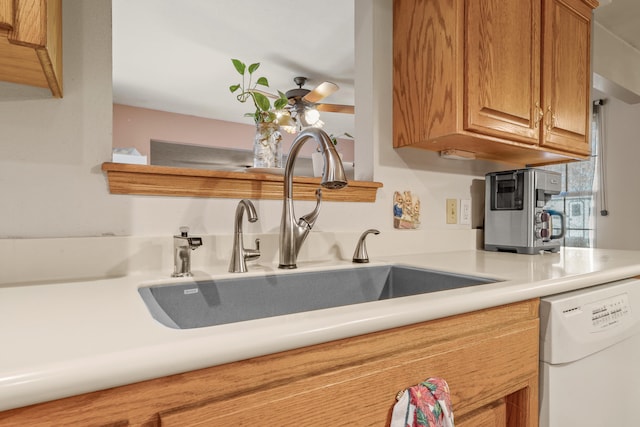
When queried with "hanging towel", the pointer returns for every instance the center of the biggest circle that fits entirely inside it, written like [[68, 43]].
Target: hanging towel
[[427, 404]]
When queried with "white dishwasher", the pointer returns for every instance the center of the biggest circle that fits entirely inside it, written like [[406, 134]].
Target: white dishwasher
[[590, 357]]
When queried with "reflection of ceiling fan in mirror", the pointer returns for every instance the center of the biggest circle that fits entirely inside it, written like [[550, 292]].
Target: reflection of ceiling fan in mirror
[[304, 104]]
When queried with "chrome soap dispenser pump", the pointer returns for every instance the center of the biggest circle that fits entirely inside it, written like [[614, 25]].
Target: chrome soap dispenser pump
[[183, 244]]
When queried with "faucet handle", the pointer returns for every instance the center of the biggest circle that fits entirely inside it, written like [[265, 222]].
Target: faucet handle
[[253, 254], [360, 255], [309, 219]]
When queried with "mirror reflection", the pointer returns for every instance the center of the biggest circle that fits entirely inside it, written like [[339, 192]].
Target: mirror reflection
[[172, 71]]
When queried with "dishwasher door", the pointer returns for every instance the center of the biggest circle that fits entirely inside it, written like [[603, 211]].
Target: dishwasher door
[[590, 357]]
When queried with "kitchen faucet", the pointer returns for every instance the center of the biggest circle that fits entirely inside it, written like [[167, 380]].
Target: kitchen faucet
[[240, 255], [182, 247], [292, 232]]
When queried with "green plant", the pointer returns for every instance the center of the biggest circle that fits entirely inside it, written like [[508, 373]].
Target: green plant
[[334, 138], [264, 113]]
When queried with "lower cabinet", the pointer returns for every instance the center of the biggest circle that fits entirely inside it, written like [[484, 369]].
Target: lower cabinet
[[489, 358]]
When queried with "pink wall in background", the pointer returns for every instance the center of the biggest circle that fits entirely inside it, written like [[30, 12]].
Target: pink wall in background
[[135, 127]]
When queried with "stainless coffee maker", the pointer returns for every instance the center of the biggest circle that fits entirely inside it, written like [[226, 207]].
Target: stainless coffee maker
[[516, 216]]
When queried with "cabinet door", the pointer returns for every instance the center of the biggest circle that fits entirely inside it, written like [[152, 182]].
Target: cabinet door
[[566, 75], [6, 14], [481, 370], [502, 69], [494, 414]]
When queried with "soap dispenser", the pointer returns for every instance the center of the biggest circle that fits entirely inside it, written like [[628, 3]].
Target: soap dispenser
[[183, 244]]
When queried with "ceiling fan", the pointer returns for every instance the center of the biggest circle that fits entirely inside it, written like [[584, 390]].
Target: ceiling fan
[[312, 97], [304, 104]]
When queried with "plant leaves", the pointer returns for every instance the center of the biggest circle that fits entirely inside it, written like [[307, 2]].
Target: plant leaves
[[253, 67], [234, 88], [280, 103], [261, 101], [239, 65], [268, 117], [263, 81]]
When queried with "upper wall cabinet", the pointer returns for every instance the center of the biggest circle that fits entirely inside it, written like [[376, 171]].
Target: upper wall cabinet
[[507, 81], [31, 43]]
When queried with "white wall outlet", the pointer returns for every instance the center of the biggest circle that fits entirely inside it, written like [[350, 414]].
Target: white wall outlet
[[465, 212], [452, 211]]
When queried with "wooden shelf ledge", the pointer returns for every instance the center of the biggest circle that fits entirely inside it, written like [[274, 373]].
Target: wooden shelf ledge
[[170, 181]]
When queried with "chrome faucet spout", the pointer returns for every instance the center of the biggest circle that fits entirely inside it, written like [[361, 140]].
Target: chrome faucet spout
[[240, 254], [244, 204], [292, 232]]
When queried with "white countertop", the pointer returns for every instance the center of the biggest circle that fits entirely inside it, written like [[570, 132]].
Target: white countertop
[[63, 339]]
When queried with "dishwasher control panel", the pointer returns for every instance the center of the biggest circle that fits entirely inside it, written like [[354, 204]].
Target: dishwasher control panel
[[600, 315], [609, 312], [578, 323]]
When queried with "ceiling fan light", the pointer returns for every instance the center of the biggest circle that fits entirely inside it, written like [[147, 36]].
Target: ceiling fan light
[[311, 116], [283, 118]]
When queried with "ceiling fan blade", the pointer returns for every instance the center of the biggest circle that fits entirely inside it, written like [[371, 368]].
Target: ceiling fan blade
[[321, 91], [267, 94], [336, 108]]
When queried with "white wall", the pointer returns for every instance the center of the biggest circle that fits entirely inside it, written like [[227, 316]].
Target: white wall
[[51, 151], [621, 228], [615, 60], [618, 63]]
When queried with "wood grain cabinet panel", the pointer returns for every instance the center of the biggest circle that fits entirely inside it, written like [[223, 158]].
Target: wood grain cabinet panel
[[6, 14], [507, 81], [488, 357], [566, 76], [501, 83], [494, 415], [363, 395], [31, 43]]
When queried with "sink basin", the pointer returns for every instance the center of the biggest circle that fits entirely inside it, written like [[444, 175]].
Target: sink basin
[[215, 302]]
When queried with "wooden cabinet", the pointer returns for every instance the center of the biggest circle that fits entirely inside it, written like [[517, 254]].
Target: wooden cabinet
[[566, 76], [489, 358], [503, 80], [31, 43]]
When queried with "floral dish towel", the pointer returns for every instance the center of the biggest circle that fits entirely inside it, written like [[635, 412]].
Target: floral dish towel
[[427, 404]]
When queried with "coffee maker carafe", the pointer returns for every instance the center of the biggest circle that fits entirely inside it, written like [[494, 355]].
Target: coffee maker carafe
[[517, 218]]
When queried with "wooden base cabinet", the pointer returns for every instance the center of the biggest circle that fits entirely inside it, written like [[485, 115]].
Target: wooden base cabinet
[[506, 81], [489, 358]]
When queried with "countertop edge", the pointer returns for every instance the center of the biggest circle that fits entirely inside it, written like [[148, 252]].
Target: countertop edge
[[197, 350]]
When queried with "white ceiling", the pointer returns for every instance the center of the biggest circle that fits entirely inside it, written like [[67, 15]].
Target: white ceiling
[[622, 18], [174, 55]]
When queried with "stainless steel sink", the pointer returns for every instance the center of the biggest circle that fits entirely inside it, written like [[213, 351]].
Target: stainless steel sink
[[198, 304]]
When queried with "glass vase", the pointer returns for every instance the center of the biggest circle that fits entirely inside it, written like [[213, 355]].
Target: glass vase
[[267, 146]]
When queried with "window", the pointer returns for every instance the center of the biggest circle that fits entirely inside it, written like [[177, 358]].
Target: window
[[579, 189]]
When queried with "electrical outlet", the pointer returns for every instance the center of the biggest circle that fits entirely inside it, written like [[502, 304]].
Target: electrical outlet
[[465, 212], [452, 211]]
